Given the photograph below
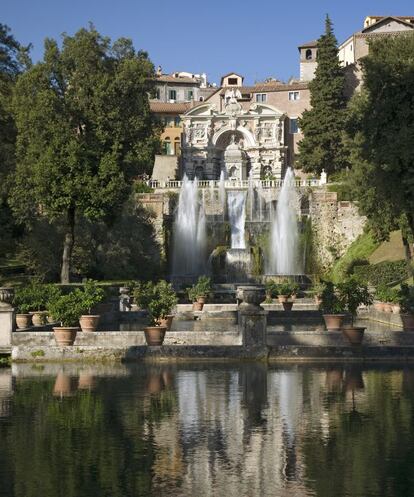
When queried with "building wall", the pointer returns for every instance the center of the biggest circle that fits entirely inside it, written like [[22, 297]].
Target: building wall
[[181, 92]]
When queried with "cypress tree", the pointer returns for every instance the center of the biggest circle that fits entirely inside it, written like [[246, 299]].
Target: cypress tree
[[322, 146]]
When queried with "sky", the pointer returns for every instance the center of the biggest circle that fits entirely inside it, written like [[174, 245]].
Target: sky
[[255, 39]]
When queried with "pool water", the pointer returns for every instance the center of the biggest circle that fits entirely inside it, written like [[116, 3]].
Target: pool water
[[206, 430]]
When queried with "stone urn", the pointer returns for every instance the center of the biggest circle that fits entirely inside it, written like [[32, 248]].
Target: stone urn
[[250, 296], [6, 296]]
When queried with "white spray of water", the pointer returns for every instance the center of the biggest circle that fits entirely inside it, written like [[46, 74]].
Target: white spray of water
[[222, 190], [189, 239], [236, 205], [284, 231]]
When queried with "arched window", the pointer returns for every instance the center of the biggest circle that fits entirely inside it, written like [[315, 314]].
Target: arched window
[[167, 146], [177, 146], [308, 54]]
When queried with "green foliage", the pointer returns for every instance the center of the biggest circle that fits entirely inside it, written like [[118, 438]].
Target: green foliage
[[159, 299], [66, 309], [331, 303], [35, 296], [286, 287], [89, 296], [385, 293], [360, 249], [322, 146], [352, 294], [406, 298], [200, 289], [383, 273], [381, 138], [142, 187], [272, 288], [88, 133]]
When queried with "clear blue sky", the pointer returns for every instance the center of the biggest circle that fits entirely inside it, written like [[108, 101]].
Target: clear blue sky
[[254, 38]]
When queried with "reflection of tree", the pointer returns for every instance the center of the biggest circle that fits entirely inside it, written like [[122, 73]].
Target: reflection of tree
[[92, 443], [369, 450]]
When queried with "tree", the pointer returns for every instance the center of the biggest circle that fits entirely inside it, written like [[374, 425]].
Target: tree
[[382, 138], [322, 126], [84, 131], [13, 60]]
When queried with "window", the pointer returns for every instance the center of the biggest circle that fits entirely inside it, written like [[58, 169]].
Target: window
[[232, 81], [167, 146], [177, 121], [157, 93], [261, 97], [308, 54], [294, 95], [190, 95], [172, 95], [201, 99], [293, 126], [177, 146]]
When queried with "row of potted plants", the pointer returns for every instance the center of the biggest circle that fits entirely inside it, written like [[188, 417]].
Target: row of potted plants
[[70, 310], [199, 292], [388, 299], [285, 292]]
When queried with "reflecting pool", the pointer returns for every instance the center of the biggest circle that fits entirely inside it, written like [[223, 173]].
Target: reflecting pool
[[206, 430]]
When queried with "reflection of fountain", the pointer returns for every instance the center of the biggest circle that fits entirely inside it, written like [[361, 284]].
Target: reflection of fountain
[[189, 239], [284, 231]]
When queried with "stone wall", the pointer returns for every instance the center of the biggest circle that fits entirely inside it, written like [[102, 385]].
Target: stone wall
[[335, 225]]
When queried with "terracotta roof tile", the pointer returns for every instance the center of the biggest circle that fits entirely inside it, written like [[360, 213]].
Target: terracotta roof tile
[[168, 78], [170, 108]]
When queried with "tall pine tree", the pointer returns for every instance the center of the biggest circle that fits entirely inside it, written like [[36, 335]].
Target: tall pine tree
[[322, 146]]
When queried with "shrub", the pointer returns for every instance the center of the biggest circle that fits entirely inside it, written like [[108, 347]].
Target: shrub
[[385, 294], [162, 302], [66, 309], [352, 294], [383, 273], [90, 295], [200, 289], [271, 288], [406, 299], [35, 296], [331, 303], [285, 288]]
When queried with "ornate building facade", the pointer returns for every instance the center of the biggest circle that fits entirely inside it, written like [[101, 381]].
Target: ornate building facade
[[237, 140]]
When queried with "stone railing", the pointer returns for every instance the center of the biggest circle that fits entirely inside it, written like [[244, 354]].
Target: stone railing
[[235, 184]]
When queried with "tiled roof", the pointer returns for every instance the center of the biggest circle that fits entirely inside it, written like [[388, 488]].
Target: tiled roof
[[401, 19], [268, 87], [312, 43], [168, 78], [169, 108]]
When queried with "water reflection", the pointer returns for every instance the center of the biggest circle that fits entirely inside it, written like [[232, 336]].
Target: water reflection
[[237, 430]]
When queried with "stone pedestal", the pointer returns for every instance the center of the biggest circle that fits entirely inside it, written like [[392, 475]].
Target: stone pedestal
[[6, 316], [252, 317]]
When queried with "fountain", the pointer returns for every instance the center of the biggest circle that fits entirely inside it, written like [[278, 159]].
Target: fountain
[[189, 239], [284, 232]]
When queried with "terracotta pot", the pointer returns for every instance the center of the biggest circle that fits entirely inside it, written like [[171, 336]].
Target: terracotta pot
[[89, 323], [293, 297], [408, 322], [333, 322], [380, 306], [355, 334], [39, 318], [387, 307], [23, 321], [396, 308], [282, 298], [167, 321], [65, 335], [201, 299], [287, 306], [154, 335], [197, 306], [50, 319]]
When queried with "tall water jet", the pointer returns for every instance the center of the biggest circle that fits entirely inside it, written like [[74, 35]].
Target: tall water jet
[[189, 232], [236, 205], [222, 190], [284, 233]]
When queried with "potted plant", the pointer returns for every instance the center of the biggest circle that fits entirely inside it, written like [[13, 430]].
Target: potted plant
[[199, 292], [161, 299], [317, 290], [271, 290], [295, 287], [406, 301], [384, 296], [90, 295], [332, 308], [354, 294], [284, 291], [22, 301], [67, 310]]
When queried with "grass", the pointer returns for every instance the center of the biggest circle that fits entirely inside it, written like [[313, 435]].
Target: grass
[[393, 250], [362, 248]]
